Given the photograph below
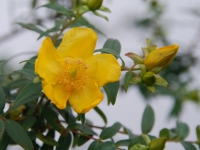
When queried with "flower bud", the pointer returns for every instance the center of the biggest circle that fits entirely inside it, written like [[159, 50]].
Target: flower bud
[[94, 4], [149, 78], [16, 112], [161, 57]]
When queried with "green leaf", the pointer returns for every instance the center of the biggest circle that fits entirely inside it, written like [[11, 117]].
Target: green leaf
[[137, 140], [110, 51], [2, 100], [18, 83], [147, 120], [157, 144], [138, 147], [60, 9], [2, 128], [27, 72], [101, 113], [151, 89], [82, 118], [4, 141], [112, 91], [47, 140], [28, 93], [182, 130], [94, 145], [64, 142], [83, 128], [82, 140], [75, 141], [109, 132], [17, 133], [28, 122], [67, 115], [52, 119], [100, 15], [198, 132], [113, 44], [123, 142], [30, 26], [2, 78], [127, 79], [106, 146], [105, 9], [165, 133], [50, 133], [161, 81], [188, 146]]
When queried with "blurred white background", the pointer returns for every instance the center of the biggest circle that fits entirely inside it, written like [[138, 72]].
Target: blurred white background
[[129, 106]]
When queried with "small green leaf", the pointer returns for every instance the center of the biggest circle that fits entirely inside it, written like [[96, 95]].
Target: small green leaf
[[2, 128], [83, 9], [83, 128], [17, 133], [82, 118], [161, 81], [28, 122], [198, 132], [82, 140], [27, 72], [106, 146], [100, 15], [105, 9], [157, 144], [113, 44], [101, 113], [28, 93], [47, 140], [123, 142], [165, 133], [2, 78], [137, 140], [136, 80], [188, 146], [147, 119], [2, 100], [138, 147], [4, 141], [109, 132], [112, 91], [64, 142], [182, 130], [60, 9], [30, 26], [146, 138], [151, 89], [94, 145], [127, 80]]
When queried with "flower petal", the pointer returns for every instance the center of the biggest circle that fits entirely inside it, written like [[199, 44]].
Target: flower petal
[[78, 42], [45, 65], [103, 68], [56, 94], [87, 98]]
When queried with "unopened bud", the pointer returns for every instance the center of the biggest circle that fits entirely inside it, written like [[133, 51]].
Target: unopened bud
[[136, 80], [161, 57], [94, 4], [149, 78], [16, 112]]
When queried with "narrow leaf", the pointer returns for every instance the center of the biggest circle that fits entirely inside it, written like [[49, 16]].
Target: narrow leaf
[[128, 77], [17, 133], [112, 91], [4, 141], [147, 120], [2, 128], [188, 146], [47, 140], [109, 132], [64, 142], [2, 100], [101, 113]]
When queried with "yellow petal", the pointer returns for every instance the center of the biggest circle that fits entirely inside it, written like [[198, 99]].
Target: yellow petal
[[56, 94], [86, 98], [78, 43], [103, 68], [161, 57], [46, 66]]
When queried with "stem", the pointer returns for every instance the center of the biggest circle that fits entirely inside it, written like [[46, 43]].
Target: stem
[[39, 103]]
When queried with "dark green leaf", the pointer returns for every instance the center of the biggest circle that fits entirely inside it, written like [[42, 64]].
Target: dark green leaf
[[109, 132], [18, 83], [82, 118], [123, 142], [83, 128], [110, 51], [165, 133], [101, 113], [157, 144], [111, 91], [147, 119], [32, 135], [50, 133], [27, 72], [47, 140], [59, 9], [106, 146], [113, 44], [198, 132], [4, 141], [2, 78], [94, 145], [128, 77], [52, 119], [17, 133], [30, 26], [2, 128], [27, 94], [2, 100], [64, 142], [28, 122], [67, 115], [75, 141], [82, 140], [182, 130], [188, 146], [137, 140]]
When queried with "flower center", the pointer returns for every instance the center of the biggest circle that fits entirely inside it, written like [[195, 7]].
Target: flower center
[[73, 74]]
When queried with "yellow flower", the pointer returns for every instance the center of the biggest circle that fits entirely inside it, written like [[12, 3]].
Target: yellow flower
[[72, 73], [161, 57]]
